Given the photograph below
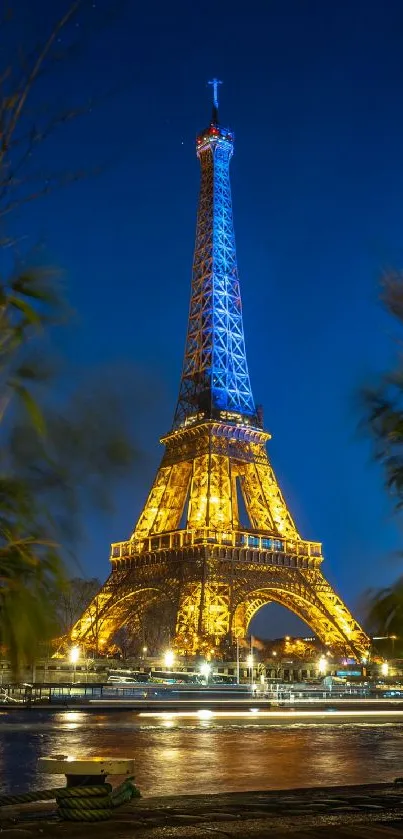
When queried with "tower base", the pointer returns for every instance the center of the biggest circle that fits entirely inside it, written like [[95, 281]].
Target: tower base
[[215, 583]]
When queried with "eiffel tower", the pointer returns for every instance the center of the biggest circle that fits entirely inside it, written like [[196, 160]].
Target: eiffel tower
[[188, 547]]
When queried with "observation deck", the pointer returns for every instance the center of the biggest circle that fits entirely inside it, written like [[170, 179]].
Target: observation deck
[[240, 544], [212, 135]]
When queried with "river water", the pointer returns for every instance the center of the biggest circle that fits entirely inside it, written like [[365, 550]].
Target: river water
[[192, 755]]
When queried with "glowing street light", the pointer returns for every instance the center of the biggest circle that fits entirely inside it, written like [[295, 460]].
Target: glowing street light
[[145, 651], [322, 665], [169, 658], [237, 659], [74, 655], [205, 670], [249, 662]]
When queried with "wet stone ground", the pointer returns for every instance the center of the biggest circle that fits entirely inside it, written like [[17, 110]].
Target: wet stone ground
[[366, 811]]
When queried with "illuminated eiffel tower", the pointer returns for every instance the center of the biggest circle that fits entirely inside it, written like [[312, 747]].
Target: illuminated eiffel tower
[[188, 546]]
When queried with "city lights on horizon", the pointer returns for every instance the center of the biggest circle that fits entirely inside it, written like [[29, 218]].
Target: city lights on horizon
[[254, 667]]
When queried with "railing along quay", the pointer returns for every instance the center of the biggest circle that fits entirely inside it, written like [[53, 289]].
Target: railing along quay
[[150, 696]]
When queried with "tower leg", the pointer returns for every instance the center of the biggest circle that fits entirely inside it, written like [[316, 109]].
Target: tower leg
[[264, 501], [308, 594], [203, 617]]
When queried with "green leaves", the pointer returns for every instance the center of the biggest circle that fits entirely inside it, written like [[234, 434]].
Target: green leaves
[[58, 457], [31, 406], [61, 454], [29, 570], [382, 406], [383, 403], [385, 618]]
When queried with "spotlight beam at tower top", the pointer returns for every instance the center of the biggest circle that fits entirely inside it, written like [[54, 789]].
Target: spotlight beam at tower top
[[215, 83]]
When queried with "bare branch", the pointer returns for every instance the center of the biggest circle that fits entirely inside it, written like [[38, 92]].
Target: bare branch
[[51, 183], [22, 97]]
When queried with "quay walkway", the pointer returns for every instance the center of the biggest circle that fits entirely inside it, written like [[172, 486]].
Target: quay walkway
[[370, 812]]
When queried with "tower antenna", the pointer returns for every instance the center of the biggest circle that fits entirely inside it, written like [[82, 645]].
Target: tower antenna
[[214, 83]]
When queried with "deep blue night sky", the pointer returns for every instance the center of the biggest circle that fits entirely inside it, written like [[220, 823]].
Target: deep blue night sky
[[313, 92]]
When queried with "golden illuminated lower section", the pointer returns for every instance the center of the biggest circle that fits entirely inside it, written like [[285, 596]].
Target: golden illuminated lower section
[[203, 616], [190, 548], [220, 592], [211, 501], [263, 498], [165, 503], [207, 474]]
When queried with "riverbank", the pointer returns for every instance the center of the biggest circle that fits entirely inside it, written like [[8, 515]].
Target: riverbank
[[369, 811]]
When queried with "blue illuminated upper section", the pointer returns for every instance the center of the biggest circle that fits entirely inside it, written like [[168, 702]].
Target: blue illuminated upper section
[[215, 380]]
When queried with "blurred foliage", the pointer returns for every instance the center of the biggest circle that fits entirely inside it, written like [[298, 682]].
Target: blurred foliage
[[383, 420], [385, 619], [383, 403], [61, 455], [62, 450], [385, 612]]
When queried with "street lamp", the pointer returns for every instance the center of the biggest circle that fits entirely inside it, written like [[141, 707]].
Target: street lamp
[[74, 655], [250, 664], [322, 665], [169, 658], [205, 670], [145, 651]]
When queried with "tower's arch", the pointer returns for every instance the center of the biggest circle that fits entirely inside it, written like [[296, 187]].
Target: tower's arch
[[303, 605], [104, 619]]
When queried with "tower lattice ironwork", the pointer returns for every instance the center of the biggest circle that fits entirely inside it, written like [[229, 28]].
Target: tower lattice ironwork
[[216, 572]]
